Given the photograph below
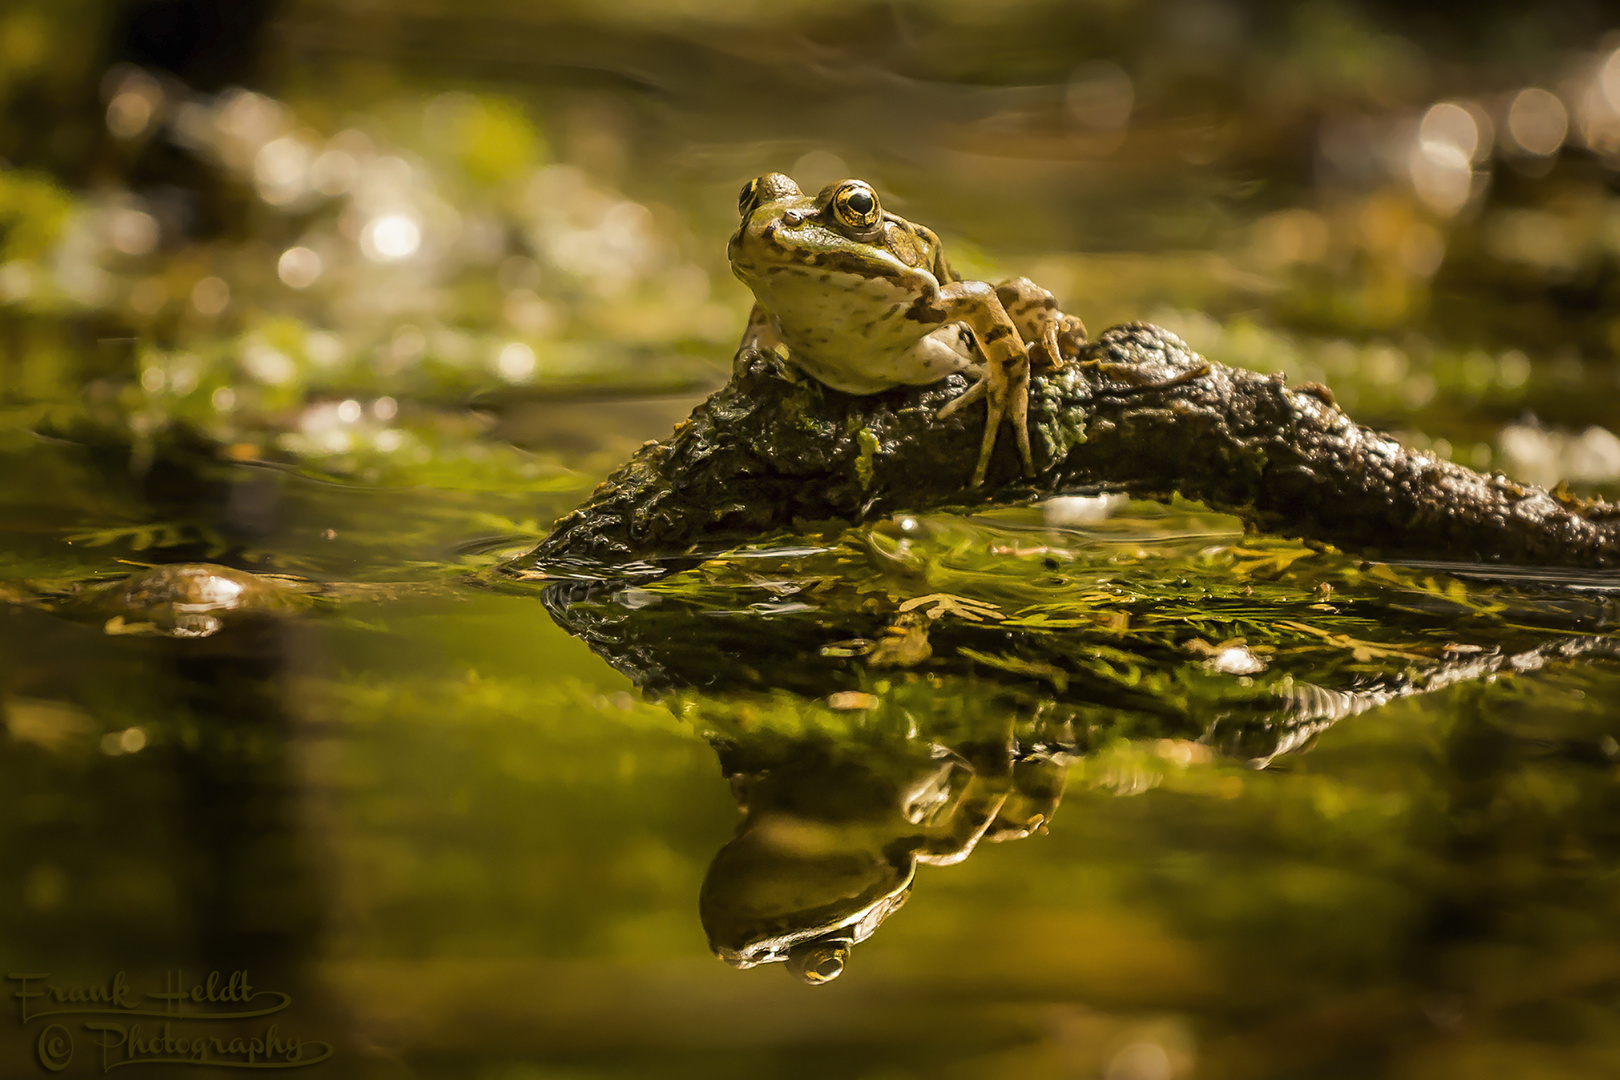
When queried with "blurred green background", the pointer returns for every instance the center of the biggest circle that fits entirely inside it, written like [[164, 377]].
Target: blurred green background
[[358, 297]]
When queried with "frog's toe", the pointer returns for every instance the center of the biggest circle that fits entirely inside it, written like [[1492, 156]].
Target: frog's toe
[[967, 397], [1018, 413], [998, 409], [985, 452], [1071, 338], [1049, 339], [999, 401], [1006, 402]]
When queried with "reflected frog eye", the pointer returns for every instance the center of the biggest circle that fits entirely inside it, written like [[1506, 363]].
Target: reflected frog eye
[[818, 962], [856, 205], [745, 200]]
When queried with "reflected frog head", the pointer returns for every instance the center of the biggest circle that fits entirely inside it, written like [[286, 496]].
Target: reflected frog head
[[788, 890], [834, 830]]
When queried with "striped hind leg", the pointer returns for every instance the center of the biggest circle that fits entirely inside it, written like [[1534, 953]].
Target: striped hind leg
[[1034, 311]]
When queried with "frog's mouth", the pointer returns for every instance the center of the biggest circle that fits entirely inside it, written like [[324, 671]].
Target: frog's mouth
[[773, 245]]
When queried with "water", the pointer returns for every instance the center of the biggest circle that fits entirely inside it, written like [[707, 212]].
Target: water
[[459, 839], [1094, 790]]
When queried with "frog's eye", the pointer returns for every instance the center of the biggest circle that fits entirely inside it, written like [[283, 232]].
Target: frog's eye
[[817, 962], [750, 192], [856, 205]]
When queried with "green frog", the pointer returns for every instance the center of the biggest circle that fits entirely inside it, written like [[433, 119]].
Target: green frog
[[863, 301]]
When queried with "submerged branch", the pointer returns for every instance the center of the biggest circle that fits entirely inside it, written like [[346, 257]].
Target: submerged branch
[[1139, 412], [1306, 709]]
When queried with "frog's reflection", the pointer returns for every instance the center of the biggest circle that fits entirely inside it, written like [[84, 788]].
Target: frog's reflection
[[955, 750], [833, 833], [835, 823]]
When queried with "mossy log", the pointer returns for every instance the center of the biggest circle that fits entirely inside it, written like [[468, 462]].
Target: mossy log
[[1136, 412]]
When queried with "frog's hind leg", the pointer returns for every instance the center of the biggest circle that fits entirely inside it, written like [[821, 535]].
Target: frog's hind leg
[[1034, 311], [1006, 365]]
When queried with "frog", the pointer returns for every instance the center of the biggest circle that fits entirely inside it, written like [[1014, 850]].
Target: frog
[[863, 301], [833, 835]]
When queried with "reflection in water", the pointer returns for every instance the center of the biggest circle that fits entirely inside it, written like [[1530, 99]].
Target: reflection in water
[[844, 791], [188, 853], [837, 816], [833, 833], [155, 780]]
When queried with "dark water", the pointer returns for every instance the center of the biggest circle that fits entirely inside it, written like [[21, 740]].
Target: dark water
[[1097, 789]]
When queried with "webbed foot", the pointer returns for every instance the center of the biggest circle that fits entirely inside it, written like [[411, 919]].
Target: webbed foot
[[1005, 384], [1008, 397]]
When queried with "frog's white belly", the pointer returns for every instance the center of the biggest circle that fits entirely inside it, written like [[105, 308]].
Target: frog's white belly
[[851, 332]]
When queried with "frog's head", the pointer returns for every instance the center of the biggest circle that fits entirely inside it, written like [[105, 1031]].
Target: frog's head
[[800, 892], [843, 230]]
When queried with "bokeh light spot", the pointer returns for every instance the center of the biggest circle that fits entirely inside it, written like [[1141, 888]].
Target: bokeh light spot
[[515, 362], [299, 267], [1537, 121], [391, 238], [210, 296]]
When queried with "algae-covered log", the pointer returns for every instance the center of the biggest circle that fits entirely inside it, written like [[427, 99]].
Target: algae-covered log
[[1137, 412]]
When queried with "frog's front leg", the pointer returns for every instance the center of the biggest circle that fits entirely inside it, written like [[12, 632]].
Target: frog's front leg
[[1037, 789], [760, 336], [968, 823], [1006, 365], [980, 803]]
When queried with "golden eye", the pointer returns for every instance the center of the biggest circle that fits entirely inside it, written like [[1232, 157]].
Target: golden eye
[[856, 205], [745, 201], [818, 963]]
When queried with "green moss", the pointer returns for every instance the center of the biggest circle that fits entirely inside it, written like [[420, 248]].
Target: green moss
[[863, 463]]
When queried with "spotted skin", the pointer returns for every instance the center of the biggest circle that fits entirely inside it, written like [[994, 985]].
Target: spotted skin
[[864, 300]]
